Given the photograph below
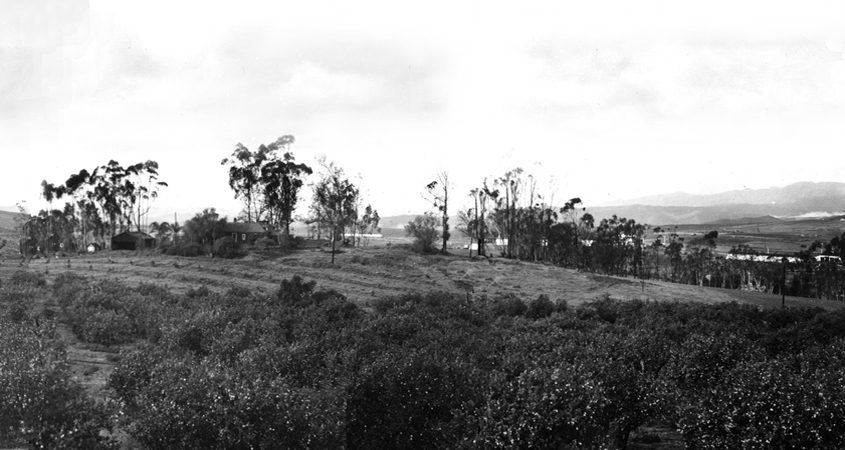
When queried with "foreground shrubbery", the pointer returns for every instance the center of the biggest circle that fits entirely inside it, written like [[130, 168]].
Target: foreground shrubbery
[[40, 405], [305, 368], [433, 371], [110, 313]]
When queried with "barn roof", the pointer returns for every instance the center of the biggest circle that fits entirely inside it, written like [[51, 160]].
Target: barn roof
[[131, 236], [246, 227]]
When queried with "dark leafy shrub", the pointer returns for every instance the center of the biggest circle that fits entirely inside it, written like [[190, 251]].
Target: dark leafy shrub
[[508, 305], [296, 242], [134, 371], [702, 360], [771, 404], [153, 291], [827, 326], [40, 405], [200, 292], [105, 327], [68, 286], [540, 307], [110, 313], [408, 401], [225, 247], [189, 404], [26, 278], [266, 242], [561, 305], [236, 293], [296, 291], [17, 312], [425, 233], [358, 259], [307, 368], [191, 249]]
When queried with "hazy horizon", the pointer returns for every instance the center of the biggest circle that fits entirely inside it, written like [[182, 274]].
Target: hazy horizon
[[606, 101]]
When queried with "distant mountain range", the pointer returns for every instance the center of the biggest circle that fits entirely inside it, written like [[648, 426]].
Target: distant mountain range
[[820, 193], [798, 199]]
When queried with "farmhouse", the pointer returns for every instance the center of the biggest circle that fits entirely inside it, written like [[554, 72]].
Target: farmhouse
[[132, 240], [828, 258], [247, 232], [766, 258]]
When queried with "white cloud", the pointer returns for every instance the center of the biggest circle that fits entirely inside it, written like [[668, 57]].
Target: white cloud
[[610, 98]]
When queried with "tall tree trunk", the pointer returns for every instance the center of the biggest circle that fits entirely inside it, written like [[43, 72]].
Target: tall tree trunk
[[445, 216], [334, 239]]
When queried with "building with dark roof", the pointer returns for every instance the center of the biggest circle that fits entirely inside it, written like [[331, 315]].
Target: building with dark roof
[[247, 232], [132, 240]]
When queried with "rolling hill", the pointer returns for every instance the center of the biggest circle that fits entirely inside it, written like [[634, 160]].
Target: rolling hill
[[798, 199], [819, 194], [7, 222]]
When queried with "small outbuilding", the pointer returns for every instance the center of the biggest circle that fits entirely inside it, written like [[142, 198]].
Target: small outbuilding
[[248, 232], [132, 240]]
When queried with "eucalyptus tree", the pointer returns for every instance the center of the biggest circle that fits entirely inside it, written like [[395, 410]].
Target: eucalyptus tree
[[282, 179], [334, 202], [245, 178], [162, 231], [111, 197], [144, 178], [268, 181], [437, 193], [511, 184], [368, 222]]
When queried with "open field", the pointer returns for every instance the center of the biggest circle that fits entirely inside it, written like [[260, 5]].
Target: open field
[[774, 236], [366, 274]]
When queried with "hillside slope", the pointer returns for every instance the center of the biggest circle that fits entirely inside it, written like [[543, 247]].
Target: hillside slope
[[7, 221], [366, 274]]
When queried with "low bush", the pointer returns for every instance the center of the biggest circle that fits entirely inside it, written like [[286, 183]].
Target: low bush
[[200, 292], [191, 249], [225, 247], [540, 307], [307, 368], [40, 404], [409, 401], [508, 305], [27, 278], [425, 233], [265, 243], [110, 313]]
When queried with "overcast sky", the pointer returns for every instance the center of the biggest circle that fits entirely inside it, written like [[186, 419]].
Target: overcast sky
[[602, 100]]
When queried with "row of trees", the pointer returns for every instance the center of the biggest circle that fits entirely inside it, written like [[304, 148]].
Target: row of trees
[[510, 213], [268, 181], [98, 204]]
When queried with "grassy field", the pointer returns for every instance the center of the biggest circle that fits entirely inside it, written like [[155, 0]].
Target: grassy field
[[786, 236], [365, 274]]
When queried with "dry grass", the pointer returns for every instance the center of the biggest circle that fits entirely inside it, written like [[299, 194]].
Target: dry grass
[[364, 274]]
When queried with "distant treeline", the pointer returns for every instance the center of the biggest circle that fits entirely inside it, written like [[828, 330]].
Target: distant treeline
[[97, 204], [510, 213]]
